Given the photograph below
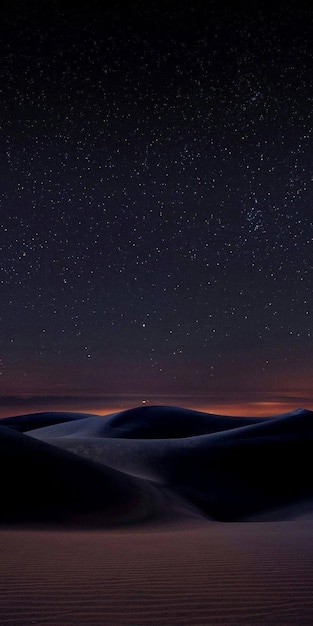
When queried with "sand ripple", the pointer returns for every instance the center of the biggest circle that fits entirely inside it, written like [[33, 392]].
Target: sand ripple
[[201, 576]]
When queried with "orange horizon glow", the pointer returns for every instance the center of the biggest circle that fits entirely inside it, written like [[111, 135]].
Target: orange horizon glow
[[260, 408], [252, 409]]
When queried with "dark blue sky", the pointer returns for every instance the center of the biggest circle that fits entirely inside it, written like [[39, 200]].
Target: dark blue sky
[[156, 194]]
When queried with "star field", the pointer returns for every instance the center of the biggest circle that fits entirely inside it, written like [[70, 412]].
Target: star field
[[156, 202]]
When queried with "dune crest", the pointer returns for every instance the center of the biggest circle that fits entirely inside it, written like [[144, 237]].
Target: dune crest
[[152, 460]]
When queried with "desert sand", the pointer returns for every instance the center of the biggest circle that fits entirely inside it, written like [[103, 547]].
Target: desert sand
[[208, 574], [156, 516]]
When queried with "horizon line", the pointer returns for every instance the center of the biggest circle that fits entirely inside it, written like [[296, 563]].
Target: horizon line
[[259, 405]]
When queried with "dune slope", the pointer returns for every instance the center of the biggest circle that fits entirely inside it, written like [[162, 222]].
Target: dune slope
[[23, 423], [43, 484], [230, 474], [153, 422]]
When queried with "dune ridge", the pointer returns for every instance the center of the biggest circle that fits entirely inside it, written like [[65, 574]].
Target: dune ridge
[[43, 484], [152, 460], [23, 423]]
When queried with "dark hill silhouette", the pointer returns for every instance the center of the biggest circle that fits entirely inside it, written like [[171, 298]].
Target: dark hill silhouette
[[159, 422], [43, 484], [153, 422], [119, 466], [23, 423]]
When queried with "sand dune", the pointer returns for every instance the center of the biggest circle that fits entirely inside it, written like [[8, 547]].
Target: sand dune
[[242, 470], [155, 422], [23, 423], [127, 465], [43, 484], [149, 483]]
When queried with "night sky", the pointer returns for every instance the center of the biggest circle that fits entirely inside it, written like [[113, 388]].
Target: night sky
[[156, 220]]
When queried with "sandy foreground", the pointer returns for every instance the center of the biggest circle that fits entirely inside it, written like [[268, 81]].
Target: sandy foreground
[[192, 573]]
